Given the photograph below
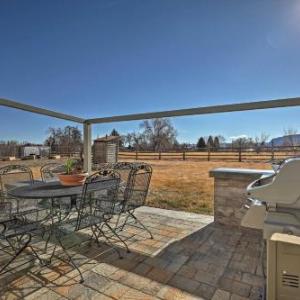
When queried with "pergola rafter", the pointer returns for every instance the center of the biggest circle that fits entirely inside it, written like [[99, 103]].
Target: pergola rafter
[[235, 107], [87, 123], [38, 110]]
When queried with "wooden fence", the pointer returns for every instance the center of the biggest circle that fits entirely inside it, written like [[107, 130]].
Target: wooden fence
[[221, 154]]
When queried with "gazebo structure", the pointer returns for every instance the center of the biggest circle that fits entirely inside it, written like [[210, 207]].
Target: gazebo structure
[[87, 123]]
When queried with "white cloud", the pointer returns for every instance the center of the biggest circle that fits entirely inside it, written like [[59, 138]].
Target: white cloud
[[241, 136]]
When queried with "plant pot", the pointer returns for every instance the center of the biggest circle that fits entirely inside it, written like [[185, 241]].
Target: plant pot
[[72, 179]]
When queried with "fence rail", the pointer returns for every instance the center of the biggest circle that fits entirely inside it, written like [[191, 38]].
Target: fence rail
[[228, 154]]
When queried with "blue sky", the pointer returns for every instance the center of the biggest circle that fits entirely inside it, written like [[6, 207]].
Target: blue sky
[[102, 58]]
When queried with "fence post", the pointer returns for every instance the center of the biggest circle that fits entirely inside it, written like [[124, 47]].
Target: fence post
[[272, 155], [240, 154], [136, 154], [208, 153], [183, 155], [159, 155]]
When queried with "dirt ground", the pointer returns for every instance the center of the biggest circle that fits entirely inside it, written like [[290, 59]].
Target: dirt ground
[[178, 185]]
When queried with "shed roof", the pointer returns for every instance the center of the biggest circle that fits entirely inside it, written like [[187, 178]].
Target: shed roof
[[107, 138]]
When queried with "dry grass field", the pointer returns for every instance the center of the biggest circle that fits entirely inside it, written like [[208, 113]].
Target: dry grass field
[[178, 185], [186, 185]]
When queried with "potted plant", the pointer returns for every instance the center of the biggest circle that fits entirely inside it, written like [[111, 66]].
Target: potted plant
[[73, 175]]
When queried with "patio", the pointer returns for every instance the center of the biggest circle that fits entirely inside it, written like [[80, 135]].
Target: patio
[[190, 258]]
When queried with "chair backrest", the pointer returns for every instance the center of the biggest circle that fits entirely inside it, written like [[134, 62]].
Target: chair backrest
[[50, 171], [135, 181], [11, 174], [137, 187], [98, 198], [123, 168]]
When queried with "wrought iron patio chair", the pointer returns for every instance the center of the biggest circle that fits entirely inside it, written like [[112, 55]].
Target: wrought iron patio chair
[[94, 211], [49, 172], [16, 235], [9, 176], [19, 220], [135, 181]]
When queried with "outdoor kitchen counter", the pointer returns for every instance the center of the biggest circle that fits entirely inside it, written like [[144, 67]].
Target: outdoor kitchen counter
[[230, 193]]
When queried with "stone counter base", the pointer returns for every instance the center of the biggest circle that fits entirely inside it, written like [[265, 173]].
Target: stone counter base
[[230, 193]]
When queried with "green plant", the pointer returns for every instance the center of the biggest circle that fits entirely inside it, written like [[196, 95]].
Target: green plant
[[70, 165]]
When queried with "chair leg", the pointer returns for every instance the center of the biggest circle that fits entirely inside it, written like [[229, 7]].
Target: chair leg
[[42, 262], [124, 223], [117, 236], [118, 220], [94, 233], [139, 222], [17, 253], [57, 235], [102, 233]]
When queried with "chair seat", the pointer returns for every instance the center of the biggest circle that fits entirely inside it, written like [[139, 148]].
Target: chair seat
[[17, 227]]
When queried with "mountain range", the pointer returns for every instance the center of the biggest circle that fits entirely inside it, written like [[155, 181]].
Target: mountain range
[[287, 140]]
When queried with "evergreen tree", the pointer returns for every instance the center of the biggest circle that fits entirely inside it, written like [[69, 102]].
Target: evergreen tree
[[201, 143], [210, 142], [114, 132], [216, 143]]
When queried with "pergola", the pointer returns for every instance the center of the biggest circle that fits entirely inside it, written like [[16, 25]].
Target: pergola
[[87, 123]]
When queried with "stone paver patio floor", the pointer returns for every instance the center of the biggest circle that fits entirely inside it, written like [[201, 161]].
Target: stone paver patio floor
[[189, 258]]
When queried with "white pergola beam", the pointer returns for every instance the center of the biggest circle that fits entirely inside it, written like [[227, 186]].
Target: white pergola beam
[[87, 147], [38, 110], [288, 102], [87, 124]]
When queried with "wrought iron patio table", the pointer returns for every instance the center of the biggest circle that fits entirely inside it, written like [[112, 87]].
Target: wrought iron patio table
[[51, 195], [54, 191], [50, 190]]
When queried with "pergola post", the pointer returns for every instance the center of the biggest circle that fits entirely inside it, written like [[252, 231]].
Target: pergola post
[[87, 147]]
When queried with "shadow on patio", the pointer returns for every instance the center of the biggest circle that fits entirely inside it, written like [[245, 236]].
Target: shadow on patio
[[189, 258]]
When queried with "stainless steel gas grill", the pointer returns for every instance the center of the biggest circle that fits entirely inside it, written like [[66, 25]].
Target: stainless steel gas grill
[[274, 206]]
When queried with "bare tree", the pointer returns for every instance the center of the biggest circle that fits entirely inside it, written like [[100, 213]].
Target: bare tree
[[128, 140], [159, 134], [242, 142], [260, 141], [8, 148], [135, 140], [139, 141], [67, 139], [155, 135]]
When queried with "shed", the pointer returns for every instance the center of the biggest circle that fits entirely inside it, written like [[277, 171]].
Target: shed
[[37, 150], [105, 149]]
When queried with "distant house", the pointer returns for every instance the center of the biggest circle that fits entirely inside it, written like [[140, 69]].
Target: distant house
[[106, 149], [30, 150]]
